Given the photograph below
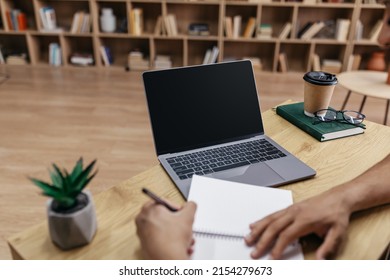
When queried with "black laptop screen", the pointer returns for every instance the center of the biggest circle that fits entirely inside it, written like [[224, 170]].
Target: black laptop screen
[[193, 107]]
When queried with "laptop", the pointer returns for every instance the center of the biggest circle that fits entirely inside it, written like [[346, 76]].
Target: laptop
[[206, 120]]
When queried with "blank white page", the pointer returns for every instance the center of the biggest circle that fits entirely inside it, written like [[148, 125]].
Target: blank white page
[[227, 208]]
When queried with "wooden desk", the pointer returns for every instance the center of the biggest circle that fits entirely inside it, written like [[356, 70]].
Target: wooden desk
[[366, 83], [336, 162]]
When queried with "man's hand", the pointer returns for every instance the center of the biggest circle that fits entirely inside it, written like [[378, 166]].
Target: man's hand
[[165, 234], [326, 215]]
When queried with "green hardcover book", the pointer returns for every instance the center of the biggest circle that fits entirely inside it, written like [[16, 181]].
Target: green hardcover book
[[323, 131]]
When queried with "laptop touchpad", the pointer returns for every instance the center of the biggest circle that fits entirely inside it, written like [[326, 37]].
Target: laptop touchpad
[[256, 174]]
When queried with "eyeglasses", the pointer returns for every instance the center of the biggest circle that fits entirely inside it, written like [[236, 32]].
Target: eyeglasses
[[331, 115]]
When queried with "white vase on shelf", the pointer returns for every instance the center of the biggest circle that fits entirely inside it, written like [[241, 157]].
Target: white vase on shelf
[[107, 20]]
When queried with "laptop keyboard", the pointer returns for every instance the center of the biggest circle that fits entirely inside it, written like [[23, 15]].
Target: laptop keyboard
[[223, 158]]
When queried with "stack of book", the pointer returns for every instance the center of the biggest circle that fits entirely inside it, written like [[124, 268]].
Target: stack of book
[[264, 31], [55, 56], [332, 66], [136, 61], [81, 23], [16, 20], [162, 62], [136, 21], [256, 62], [16, 59], [49, 20], [81, 59], [198, 29], [211, 55]]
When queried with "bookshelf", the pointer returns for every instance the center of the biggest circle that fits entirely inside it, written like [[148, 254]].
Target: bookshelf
[[183, 48]]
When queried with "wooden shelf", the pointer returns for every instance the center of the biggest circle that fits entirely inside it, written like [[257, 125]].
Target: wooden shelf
[[185, 49]]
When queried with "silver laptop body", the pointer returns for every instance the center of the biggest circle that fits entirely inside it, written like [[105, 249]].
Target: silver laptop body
[[206, 120]]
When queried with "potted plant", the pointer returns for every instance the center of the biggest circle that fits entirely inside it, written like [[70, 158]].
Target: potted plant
[[71, 212]]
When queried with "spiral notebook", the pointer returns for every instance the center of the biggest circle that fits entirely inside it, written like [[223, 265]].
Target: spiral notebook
[[225, 210]]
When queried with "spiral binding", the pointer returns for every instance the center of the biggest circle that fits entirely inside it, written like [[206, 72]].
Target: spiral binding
[[218, 235]]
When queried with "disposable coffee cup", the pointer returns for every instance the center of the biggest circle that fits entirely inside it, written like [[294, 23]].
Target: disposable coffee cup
[[318, 91]]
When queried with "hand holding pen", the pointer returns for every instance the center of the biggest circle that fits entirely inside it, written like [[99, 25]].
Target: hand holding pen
[[165, 234], [158, 200]]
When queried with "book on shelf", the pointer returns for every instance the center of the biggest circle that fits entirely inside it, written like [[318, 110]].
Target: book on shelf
[[328, 31], [228, 26], [16, 20], [249, 28], [286, 29], [304, 28], [332, 66], [222, 221], [342, 29], [106, 55], [264, 31], [237, 26], [322, 131], [211, 55], [81, 23], [159, 28], [2, 60], [82, 59], [354, 62], [136, 21], [311, 31], [171, 25], [48, 19], [359, 30], [316, 63], [55, 56], [374, 34], [282, 62], [162, 62]]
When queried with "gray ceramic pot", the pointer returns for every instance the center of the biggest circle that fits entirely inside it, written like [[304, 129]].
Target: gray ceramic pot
[[75, 229]]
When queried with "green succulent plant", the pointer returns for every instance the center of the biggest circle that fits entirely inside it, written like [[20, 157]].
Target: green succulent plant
[[65, 186]]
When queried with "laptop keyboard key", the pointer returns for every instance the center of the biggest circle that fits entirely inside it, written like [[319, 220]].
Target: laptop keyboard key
[[183, 172], [179, 168], [220, 168]]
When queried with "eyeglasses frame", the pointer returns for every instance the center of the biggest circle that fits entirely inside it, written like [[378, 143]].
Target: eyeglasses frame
[[317, 119]]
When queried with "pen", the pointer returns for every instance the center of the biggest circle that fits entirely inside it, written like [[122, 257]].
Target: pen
[[158, 200]]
